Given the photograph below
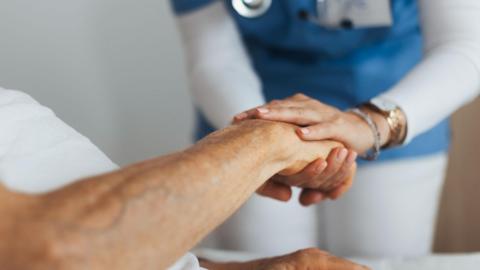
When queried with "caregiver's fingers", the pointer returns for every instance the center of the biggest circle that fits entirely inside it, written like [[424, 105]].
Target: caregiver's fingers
[[311, 196], [343, 172], [249, 114], [341, 190], [344, 187], [309, 176], [260, 111], [335, 160], [277, 191], [321, 131], [295, 115], [254, 113]]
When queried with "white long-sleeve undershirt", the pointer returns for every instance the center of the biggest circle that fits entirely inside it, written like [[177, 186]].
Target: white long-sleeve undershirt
[[449, 75], [221, 78], [223, 82]]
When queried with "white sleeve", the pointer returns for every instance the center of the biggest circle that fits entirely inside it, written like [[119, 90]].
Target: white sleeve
[[221, 78], [38, 151], [187, 262], [449, 75]]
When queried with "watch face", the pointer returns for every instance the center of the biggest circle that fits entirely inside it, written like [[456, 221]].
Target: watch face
[[383, 105]]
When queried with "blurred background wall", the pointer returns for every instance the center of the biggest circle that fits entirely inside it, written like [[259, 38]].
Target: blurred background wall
[[459, 219], [110, 68], [113, 69]]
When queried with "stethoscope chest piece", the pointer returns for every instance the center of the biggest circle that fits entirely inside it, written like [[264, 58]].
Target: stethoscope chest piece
[[251, 8]]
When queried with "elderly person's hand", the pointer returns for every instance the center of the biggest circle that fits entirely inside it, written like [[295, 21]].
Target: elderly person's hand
[[301, 260]]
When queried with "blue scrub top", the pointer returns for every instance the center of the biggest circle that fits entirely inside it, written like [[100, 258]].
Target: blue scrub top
[[342, 68]]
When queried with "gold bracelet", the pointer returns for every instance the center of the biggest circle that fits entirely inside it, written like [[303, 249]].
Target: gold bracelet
[[397, 123]]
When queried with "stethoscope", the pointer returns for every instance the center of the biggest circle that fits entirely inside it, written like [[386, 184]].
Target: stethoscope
[[256, 8], [251, 8]]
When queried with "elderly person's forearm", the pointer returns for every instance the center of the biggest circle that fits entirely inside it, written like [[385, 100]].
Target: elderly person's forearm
[[147, 215]]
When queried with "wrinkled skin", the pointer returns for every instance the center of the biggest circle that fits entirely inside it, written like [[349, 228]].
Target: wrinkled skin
[[147, 215]]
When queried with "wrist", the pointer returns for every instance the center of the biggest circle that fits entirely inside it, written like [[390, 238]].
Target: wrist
[[393, 116], [292, 154], [370, 132], [281, 142], [274, 141], [286, 153], [382, 125]]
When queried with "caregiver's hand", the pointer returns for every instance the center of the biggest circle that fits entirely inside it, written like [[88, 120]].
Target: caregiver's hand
[[311, 258], [319, 121]]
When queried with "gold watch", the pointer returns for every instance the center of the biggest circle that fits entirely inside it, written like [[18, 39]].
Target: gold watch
[[395, 117]]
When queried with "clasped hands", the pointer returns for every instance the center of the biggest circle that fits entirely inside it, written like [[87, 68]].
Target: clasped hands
[[322, 179]]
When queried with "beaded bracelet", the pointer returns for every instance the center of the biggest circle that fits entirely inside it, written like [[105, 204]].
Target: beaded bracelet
[[374, 152]]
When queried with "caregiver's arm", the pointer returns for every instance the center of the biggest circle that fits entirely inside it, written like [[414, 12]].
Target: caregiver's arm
[[221, 78], [449, 75], [447, 78], [147, 215], [223, 82]]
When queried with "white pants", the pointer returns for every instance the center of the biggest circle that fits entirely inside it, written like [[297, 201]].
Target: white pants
[[390, 211]]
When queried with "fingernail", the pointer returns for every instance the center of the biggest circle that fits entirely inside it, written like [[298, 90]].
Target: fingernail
[[262, 110], [304, 131], [342, 154]]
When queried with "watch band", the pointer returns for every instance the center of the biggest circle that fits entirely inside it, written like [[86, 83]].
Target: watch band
[[396, 122]]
